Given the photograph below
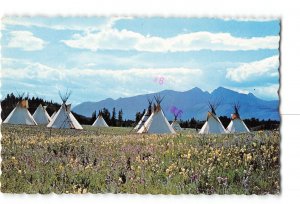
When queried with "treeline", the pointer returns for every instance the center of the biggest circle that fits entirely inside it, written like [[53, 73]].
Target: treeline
[[252, 124], [10, 102], [115, 117]]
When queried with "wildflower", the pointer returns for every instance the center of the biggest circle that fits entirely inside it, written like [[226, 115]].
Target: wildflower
[[219, 179], [248, 157], [60, 167], [79, 190], [168, 171], [19, 171], [189, 154]]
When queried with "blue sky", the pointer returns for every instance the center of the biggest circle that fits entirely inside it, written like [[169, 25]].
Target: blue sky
[[116, 57]]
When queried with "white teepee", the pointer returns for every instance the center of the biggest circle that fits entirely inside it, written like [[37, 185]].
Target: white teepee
[[41, 116], [145, 116], [157, 123], [175, 124], [20, 115], [237, 124], [213, 123], [64, 117], [100, 122], [53, 114]]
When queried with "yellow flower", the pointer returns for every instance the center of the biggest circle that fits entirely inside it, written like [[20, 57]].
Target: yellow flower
[[189, 155], [60, 167], [248, 157], [167, 171]]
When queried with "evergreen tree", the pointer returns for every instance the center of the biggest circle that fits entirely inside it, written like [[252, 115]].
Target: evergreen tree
[[113, 117], [193, 123], [138, 116], [94, 116], [106, 116], [120, 118]]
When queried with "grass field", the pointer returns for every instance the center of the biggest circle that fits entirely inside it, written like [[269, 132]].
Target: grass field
[[35, 160]]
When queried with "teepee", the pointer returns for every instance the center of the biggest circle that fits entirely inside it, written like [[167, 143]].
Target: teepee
[[100, 122], [157, 123], [20, 114], [175, 124], [237, 124], [40, 115], [53, 114], [213, 123], [64, 117], [145, 116]]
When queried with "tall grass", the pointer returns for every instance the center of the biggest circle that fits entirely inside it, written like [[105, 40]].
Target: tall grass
[[115, 160]]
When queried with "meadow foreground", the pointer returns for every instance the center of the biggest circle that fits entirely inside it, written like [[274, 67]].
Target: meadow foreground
[[115, 160]]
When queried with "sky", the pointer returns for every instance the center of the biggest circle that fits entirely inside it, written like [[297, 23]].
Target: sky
[[98, 58]]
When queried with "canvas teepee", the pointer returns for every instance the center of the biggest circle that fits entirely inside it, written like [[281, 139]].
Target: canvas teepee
[[53, 114], [213, 123], [40, 115], [64, 117], [20, 114], [175, 124], [237, 124], [100, 122], [145, 116], [157, 123]]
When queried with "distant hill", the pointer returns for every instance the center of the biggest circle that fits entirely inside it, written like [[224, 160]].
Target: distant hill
[[193, 103]]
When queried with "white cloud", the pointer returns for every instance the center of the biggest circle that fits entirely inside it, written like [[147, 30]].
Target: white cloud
[[62, 24], [113, 39], [249, 71], [269, 91], [121, 82], [25, 40]]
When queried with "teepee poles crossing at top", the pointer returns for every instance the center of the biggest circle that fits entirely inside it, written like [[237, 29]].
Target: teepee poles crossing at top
[[65, 97]]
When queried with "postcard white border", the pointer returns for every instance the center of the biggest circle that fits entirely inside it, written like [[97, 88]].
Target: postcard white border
[[289, 92]]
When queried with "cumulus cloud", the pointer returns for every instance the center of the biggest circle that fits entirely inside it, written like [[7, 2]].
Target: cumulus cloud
[[25, 40], [250, 71], [269, 91], [115, 82], [113, 39], [41, 71]]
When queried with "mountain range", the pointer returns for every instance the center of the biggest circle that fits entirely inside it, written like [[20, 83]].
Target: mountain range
[[193, 103]]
